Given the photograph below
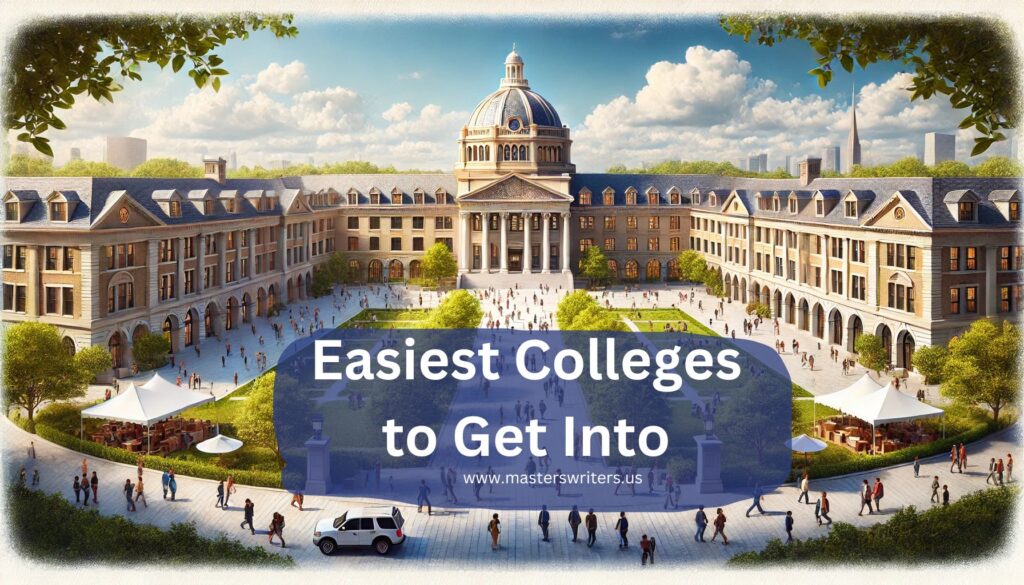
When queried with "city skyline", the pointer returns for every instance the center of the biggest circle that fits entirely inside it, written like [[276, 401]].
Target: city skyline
[[712, 97]]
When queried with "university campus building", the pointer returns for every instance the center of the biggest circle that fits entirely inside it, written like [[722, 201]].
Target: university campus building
[[913, 260]]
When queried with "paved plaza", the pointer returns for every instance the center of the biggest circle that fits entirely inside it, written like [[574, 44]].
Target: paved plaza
[[455, 538]]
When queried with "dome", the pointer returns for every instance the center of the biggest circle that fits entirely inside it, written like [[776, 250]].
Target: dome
[[513, 57], [515, 103]]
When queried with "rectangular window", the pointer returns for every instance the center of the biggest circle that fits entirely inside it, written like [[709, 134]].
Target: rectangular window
[[374, 243], [8, 297], [653, 222], [51, 257], [1014, 211], [972, 258], [417, 244], [20, 298], [609, 222], [11, 211], [166, 286], [954, 259], [443, 222], [674, 222], [229, 269], [965, 211], [374, 223], [631, 222], [631, 244], [971, 298], [609, 243], [190, 281], [67, 305], [652, 244], [857, 250], [858, 288], [586, 222], [673, 244], [417, 223], [837, 247], [954, 301], [19, 260], [586, 243], [166, 250], [396, 244], [396, 223], [353, 244], [353, 223], [8, 256], [1004, 258], [837, 282], [51, 300]]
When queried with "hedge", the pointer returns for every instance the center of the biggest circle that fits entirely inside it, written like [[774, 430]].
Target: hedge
[[49, 528], [903, 455], [181, 466], [970, 529]]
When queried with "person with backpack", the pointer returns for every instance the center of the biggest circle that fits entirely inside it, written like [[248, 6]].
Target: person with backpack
[[622, 527], [702, 524], [789, 526], [247, 513], [826, 507], [591, 522], [78, 490], [277, 527], [878, 492], [865, 498], [494, 528], [720, 527], [645, 550]]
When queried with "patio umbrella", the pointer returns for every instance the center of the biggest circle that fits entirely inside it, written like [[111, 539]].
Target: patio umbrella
[[804, 444], [219, 445]]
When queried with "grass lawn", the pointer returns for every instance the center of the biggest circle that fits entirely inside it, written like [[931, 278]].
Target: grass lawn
[[799, 392], [388, 319], [654, 320]]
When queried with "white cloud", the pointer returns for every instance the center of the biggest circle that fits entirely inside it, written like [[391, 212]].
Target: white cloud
[[397, 112], [281, 79], [413, 76]]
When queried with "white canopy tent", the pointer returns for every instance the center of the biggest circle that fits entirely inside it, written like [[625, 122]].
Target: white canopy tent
[[888, 404], [154, 401], [805, 444], [841, 399], [219, 444]]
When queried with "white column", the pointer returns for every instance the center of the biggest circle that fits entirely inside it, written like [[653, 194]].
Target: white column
[[503, 246], [799, 259], [221, 258], [152, 265], [463, 241], [527, 246], [545, 252], [200, 261], [485, 247], [565, 242], [180, 277], [251, 237]]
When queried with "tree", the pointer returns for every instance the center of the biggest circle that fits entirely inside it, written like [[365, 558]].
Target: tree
[[692, 266], [962, 58], [713, 280], [929, 360], [760, 309], [998, 166], [21, 165], [570, 306], [37, 368], [595, 265], [871, 353], [439, 262], [167, 168], [88, 168], [150, 351], [52, 61], [951, 168], [579, 311], [333, 271], [459, 309], [255, 425], [323, 283], [981, 367]]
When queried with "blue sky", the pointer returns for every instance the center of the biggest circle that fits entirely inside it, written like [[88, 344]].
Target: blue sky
[[396, 92]]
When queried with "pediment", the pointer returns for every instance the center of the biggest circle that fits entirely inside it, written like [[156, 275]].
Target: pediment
[[515, 188]]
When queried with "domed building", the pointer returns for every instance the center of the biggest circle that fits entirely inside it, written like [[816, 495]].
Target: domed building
[[513, 172]]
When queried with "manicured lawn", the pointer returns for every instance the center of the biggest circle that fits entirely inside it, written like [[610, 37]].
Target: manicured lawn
[[388, 319], [654, 320], [799, 392]]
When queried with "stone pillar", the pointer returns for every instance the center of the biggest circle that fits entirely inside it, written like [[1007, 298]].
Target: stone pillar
[[238, 256], [846, 266], [799, 259], [152, 271], [485, 245], [200, 258], [545, 252], [463, 241], [180, 276], [221, 257], [991, 288], [282, 247], [565, 242], [318, 466], [709, 464], [251, 237], [826, 262], [527, 245], [503, 245], [872, 280]]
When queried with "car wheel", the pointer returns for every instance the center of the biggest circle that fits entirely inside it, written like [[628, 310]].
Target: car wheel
[[328, 546], [382, 546]]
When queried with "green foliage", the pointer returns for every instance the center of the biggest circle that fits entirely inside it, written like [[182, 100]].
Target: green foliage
[[84, 536], [692, 266], [981, 367], [53, 61], [255, 426], [713, 280], [573, 304], [150, 351], [439, 262], [351, 167], [951, 168], [21, 165], [167, 168], [981, 522], [459, 309], [594, 265], [681, 470], [697, 167], [579, 311], [322, 284], [88, 168], [998, 166], [871, 353], [760, 309], [36, 368], [962, 58], [333, 271], [929, 360]]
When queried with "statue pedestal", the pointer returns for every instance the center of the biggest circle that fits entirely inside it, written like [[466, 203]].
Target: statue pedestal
[[709, 465], [318, 467]]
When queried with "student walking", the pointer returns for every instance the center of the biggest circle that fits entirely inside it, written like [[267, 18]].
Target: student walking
[[825, 508], [789, 526], [77, 489], [757, 501], [494, 528], [139, 493], [165, 481], [805, 487], [865, 498], [720, 527], [917, 466], [574, 522], [172, 485], [247, 513], [220, 495], [702, 524], [591, 522], [277, 528], [129, 489], [999, 471], [423, 496], [935, 490], [622, 527], [945, 495], [85, 489], [991, 478], [878, 492], [544, 520], [229, 488], [645, 550], [1009, 468], [94, 483]]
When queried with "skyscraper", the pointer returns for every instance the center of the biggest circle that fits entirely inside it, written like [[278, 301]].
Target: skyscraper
[[853, 140], [830, 159], [76, 154], [789, 164], [939, 147], [125, 152], [233, 161], [762, 162]]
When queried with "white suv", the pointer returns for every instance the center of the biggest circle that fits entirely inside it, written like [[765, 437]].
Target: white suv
[[379, 527]]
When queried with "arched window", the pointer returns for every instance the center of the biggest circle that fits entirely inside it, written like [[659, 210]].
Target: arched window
[[632, 270], [515, 153], [508, 152], [522, 153], [487, 152], [469, 153], [69, 345]]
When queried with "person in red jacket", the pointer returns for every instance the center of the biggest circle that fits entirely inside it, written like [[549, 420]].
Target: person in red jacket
[[879, 493]]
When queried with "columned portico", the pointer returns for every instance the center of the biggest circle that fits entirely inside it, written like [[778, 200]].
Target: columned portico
[[527, 245], [564, 254], [545, 249], [485, 247], [503, 247]]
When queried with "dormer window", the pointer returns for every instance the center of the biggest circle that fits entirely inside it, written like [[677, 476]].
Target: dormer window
[[584, 197], [850, 209], [674, 198], [609, 197], [229, 205], [11, 211], [713, 200], [776, 204], [819, 207], [653, 197], [792, 204], [58, 211], [174, 208], [631, 196], [207, 207], [396, 197], [1014, 211], [417, 197], [353, 198], [966, 211], [374, 197]]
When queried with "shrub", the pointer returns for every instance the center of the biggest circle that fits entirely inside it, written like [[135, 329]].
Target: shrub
[[760, 309], [275, 309], [681, 470], [49, 528], [871, 353], [150, 351]]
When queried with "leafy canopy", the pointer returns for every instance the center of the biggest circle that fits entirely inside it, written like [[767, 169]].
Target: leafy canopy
[[871, 353], [439, 262], [981, 367], [967, 59], [595, 265], [692, 266], [459, 309], [52, 62]]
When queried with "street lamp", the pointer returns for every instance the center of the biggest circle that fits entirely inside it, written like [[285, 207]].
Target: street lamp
[[318, 426], [709, 426]]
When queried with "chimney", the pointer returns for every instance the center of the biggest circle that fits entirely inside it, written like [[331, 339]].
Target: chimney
[[810, 169], [215, 168]]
